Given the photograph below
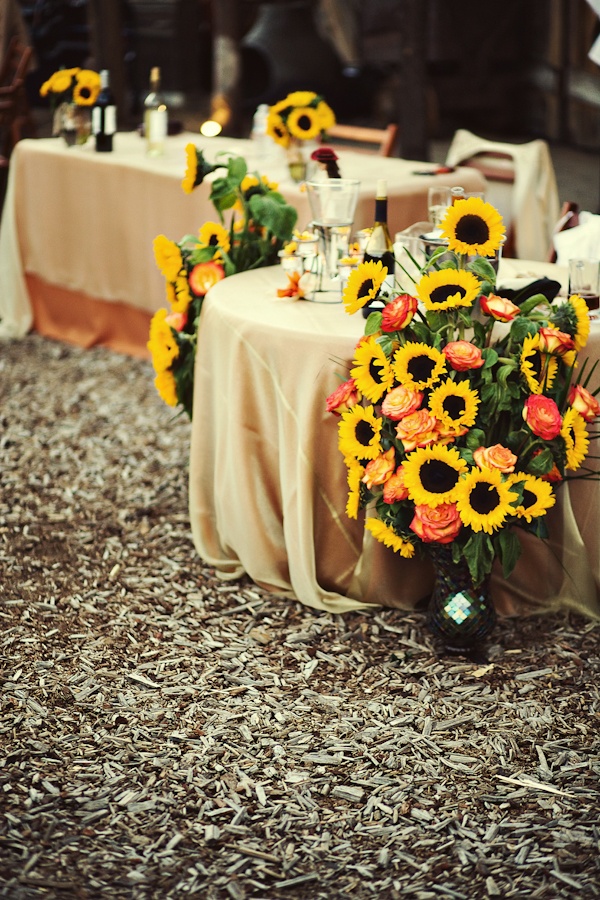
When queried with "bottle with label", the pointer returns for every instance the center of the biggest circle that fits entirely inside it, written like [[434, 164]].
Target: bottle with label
[[379, 246], [155, 117], [104, 115]]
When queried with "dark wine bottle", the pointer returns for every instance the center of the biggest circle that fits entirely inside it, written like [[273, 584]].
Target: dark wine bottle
[[380, 247], [104, 115]]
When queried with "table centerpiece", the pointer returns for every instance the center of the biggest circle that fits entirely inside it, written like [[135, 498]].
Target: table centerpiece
[[253, 224], [462, 415], [295, 123], [73, 92]]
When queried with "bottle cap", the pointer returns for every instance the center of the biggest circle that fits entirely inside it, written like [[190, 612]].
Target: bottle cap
[[381, 189]]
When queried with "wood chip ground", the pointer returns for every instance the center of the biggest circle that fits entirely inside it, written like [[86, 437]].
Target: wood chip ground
[[164, 734]]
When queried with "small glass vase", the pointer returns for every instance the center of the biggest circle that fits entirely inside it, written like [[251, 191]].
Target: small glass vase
[[298, 155], [460, 614], [73, 122]]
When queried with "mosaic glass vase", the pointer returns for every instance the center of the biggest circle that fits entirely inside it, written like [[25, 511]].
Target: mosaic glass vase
[[460, 614]]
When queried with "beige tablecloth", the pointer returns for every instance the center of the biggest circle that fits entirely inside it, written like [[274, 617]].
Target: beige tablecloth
[[78, 226], [268, 485]]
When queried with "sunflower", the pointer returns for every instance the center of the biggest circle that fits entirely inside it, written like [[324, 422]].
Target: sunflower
[[166, 386], [575, 436], [573, 318], [214, 235], [299, 98], [432, 474], [355, 474], [372, 372], [484, 500], [538, 368], [325, 115], [178, 294], [277, 130], [448, 289], [388, 537], [454, 403], [161, 342], [363, 285], [418, 365], [191, 169], [538, 495], [59, 82], [359, 433], [168, 257], [303, 123], [87, 87], [473, 226]]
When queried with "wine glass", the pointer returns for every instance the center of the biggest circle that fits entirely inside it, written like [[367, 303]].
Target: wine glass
[[332, 204], [438, 201]]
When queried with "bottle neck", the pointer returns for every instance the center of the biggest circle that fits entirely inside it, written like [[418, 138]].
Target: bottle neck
[[381, 209]]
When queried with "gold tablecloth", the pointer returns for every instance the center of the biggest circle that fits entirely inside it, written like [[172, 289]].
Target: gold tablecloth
[[78, 226], [268, 486]]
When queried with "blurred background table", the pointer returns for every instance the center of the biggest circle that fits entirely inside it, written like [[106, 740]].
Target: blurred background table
[[268, 485], [76, 259]]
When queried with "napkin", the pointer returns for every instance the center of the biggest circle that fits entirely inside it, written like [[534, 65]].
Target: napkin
[[517, 290]]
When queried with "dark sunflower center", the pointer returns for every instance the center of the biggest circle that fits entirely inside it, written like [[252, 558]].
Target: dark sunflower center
[[445, 291], [375, 371], [213, 240], [365, 288], [304, 122], [536, 363], [85, 93], [364, 433], [437, 476], [455, 406], [472, 230], [484, 498], [420, 367], [529, 499]]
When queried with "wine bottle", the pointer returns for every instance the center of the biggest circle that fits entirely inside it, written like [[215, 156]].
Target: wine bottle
[[104, 115], [155, 116], [379, 245]]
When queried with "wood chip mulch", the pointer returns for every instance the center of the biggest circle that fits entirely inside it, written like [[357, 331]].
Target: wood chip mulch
[[165, 734]]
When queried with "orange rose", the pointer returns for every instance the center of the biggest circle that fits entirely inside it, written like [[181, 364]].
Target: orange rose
[[419, 429], [398, 313], [463, 355], [204, 275], [400, 402], [554, 341], [499, 308], [496, 457], [378, 470], [542, 415], [441, 524], [344, 397], [177, 320], [393, 489], [585, 403]]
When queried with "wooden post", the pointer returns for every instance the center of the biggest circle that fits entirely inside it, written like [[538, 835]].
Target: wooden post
[[106, 38], [412, 100]]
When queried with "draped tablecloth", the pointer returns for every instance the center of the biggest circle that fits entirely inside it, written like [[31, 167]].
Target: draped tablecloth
[[76, 258], [268, 489]]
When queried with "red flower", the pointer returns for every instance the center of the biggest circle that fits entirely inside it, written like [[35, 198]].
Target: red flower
[[398, 313], [344, 397], [542, 415], [463, 355], [204, 275], [554, 341], [499, 308], [585, 403], [441, 524]]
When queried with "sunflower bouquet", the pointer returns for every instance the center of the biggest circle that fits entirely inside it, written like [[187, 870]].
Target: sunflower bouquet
[[71, 91], [253, 224], [464, 411], [301, 116]]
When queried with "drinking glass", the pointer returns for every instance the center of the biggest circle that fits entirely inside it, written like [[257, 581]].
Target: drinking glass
[[584, 279], [438, 201], [332, 205]]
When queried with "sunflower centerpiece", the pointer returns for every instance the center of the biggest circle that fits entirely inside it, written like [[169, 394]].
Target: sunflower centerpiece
[[295, 123], [457, 429], [72, 92], [253, 222]]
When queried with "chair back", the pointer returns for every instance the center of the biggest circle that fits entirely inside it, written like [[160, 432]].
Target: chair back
[[14, 108], [380, 141]]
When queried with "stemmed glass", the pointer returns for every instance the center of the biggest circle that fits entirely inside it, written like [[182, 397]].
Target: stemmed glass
[[332, 205], [438, 201]]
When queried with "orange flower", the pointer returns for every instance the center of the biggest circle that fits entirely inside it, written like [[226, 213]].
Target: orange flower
[[496, 457], [499, 308], [344, 397], [463, 355], [378, 470], [554, 341], [398, 313], [204, 276], [393, 489], [400, 402], [293, 289], [419, 429], [542, 415], [177, 320], [585, 403], [441, 524]]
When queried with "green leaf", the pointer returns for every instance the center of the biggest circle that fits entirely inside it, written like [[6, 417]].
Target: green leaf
[[237, 168], [475, 438], [483, 268], [509, 550], [385, 341], [542, 463], [278, 218], [530, 304], [373, 323], [490, 356], [520, 328]]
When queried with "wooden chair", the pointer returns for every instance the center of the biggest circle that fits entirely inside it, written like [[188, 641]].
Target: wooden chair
[[380, 141], [15, 117]]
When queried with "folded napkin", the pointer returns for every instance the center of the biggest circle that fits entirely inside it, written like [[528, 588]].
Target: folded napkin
[[580, 242], [517, 290]]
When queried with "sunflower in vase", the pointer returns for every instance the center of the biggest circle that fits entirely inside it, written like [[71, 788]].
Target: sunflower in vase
[[72, 92], [295, 123], [253, 222], [463, 411]]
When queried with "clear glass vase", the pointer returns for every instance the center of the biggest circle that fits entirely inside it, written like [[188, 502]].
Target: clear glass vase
[[73, 122]]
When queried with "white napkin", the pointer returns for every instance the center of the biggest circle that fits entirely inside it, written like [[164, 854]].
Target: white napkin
[[580, 242]]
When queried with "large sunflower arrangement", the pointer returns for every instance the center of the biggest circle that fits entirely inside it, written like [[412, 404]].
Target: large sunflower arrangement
[[463, 411], [301, 116], [252, 223]]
